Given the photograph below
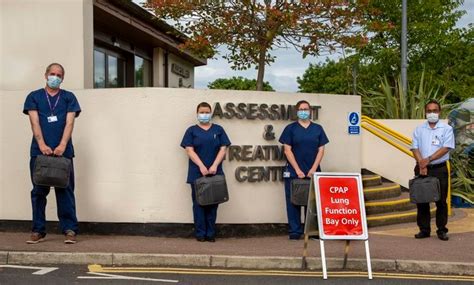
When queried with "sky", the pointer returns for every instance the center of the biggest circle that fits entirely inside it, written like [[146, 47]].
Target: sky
[[287, 67]]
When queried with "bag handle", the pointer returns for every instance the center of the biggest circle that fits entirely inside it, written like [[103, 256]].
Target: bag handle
[[421, 176]]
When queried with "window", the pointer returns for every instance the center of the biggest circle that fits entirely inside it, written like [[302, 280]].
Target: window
[[99, 69], [109, 69], [142, 72]]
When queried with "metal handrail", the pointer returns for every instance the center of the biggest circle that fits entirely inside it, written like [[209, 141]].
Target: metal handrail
[[393, 133], [382, 132]]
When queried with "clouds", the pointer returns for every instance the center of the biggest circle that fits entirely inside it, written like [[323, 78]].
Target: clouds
[[281, 74]]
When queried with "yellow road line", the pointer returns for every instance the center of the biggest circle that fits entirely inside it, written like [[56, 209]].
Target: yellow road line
[[451, 278], [196, 271], [99, 268], [387, 203]]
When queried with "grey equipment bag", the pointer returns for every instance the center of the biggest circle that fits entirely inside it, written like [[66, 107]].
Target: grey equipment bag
[[300, 191], [424, 189], [52, 171], [211, 190]]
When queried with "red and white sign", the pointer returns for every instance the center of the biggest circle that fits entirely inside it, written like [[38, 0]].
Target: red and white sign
[[340, 206]]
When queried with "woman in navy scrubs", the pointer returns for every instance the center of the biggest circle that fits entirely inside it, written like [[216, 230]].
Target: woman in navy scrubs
[[303, 142], [205, 144]]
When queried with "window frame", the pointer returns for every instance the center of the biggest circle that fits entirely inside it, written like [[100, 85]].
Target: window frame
[[120, 59]]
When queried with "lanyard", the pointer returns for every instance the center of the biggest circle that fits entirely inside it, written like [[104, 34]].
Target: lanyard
[[51, 108]]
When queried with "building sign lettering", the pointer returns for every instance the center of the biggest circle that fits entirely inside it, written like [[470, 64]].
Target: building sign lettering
[[247, 153], [252, 111], [180, 70]]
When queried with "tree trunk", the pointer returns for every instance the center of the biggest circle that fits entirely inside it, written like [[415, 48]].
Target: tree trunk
[[261, 69]]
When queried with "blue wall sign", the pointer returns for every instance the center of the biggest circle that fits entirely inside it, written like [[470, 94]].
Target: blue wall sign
[[353, 123]]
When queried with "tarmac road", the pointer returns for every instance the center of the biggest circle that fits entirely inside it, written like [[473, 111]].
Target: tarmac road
[[95, 274]]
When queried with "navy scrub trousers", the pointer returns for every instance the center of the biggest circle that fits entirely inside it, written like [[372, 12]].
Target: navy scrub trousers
[[293, 212], [204, 218], [65, 203]]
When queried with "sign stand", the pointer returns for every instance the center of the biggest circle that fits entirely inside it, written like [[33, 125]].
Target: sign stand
[[304, 263], [367, 255], [340, 212], [310, 224], [323, 259], [346, 252]]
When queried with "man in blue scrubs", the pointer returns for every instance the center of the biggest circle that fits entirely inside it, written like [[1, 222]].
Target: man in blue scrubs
[[431, 144], [205, 145], [52, 112], [303, 143]]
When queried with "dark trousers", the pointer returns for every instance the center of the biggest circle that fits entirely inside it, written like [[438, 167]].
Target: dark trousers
[[65, 203], [423, 218], [295, 227], [204, 218]]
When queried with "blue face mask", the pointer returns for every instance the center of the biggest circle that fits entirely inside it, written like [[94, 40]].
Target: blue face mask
[[204, 118], [53, 81], [303, 115]]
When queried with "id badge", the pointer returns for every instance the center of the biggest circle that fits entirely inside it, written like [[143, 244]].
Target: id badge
[[52, 119], [436, 141], [286, 174]]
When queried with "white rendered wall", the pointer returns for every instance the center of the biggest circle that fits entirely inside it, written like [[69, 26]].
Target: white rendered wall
[[384, 159], [35, 33], [130, 167]]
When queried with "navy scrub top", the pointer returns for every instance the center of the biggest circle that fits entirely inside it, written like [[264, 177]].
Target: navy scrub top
[[206, 144], [304, 144], [52, 132]]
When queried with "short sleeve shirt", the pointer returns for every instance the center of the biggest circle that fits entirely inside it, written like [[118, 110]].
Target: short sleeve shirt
[[58, 105], [428, 140], [206, 144], [305, 143]]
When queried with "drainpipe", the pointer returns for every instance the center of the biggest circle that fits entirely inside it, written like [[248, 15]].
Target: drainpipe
[[166, 64]]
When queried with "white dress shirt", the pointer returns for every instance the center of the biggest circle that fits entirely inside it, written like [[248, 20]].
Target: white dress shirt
[[428, 140]]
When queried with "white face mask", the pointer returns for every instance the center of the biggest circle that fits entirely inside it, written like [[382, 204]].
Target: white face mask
[[432, 117], [204, 117]]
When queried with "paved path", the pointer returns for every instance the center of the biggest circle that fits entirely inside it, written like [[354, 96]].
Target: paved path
[[391, 243]]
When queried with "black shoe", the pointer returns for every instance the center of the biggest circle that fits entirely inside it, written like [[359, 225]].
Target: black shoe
[[201, 239], [294, 237], [443, 236], [422, 235], [210, 239]]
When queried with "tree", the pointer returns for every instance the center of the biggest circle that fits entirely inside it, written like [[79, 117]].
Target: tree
[[453, 66], [337, 77], [431, 25], [388, 102], [436, 49], [252, 29], [328, 77], [431, 31], [237, 83]]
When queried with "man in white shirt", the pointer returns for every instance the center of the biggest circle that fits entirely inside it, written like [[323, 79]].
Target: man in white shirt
[[432, 142]]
